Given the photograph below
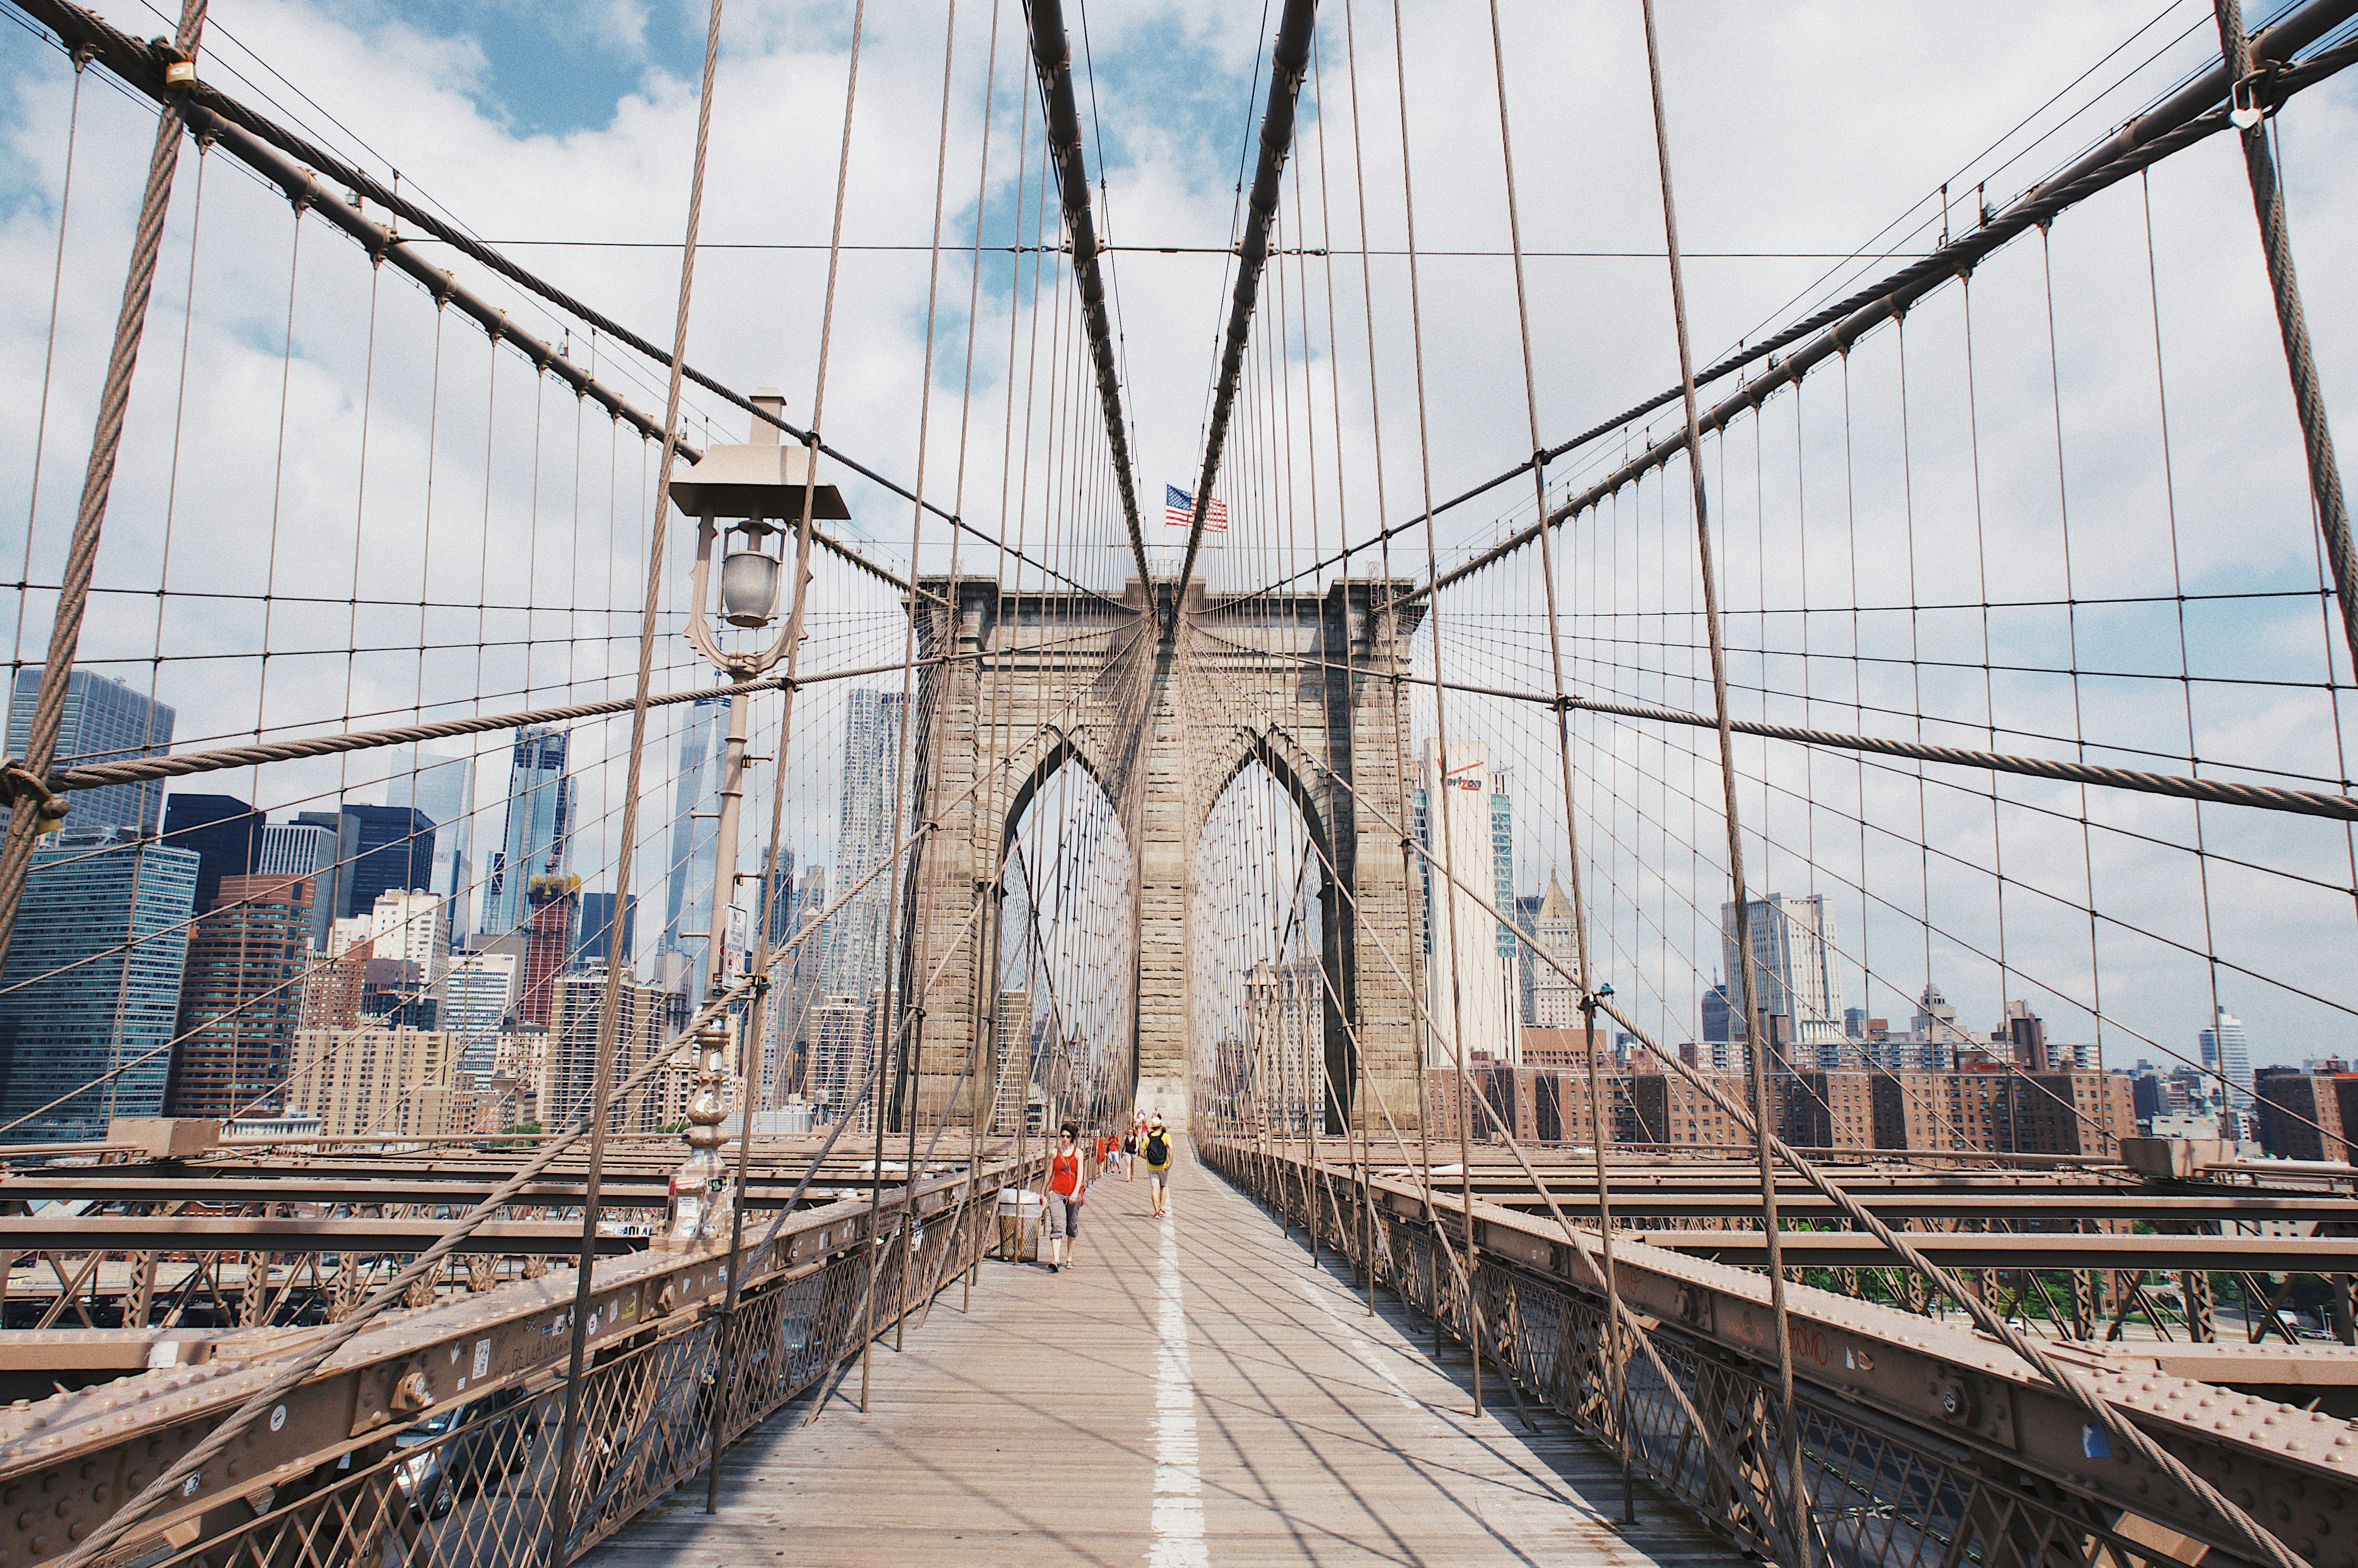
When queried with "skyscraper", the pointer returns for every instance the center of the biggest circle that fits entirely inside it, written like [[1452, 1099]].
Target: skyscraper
[[594, 943], [801, 976], [1467, 975], [224, 831], [414, 928], [443, 787], [1283, 1018], [2226, 1052], [695, 847], [379, 849], [304, 849], [1794, 975], [1502, 860], [572, 1069], [93, 982], [103, 722], [841, 1031], [778, 896], [1555, 1000], [241, 995], [548, 945], [863, 840], [294, 850], [1724, 1038], [534, 843], [1420, 811], [476, 996]]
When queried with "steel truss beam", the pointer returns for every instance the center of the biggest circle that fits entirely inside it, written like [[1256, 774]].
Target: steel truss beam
[[260, 1233], [2015, 1250]]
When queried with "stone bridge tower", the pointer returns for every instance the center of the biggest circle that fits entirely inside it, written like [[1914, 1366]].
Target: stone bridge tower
[[1163, 710]]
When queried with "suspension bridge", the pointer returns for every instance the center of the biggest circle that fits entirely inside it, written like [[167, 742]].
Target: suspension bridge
[[563, 877]]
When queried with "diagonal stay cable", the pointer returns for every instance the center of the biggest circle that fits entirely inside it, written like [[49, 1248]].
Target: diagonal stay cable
[[142, 67], [32, 804], [313, 1356], [2224, 792], [2263, 1545], [180, 765], [559, 1512], [2188, 115]]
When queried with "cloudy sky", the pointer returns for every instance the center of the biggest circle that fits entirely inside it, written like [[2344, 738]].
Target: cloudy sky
[[327, 455]]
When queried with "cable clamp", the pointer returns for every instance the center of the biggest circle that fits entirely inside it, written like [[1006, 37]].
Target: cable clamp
[[19, 782]]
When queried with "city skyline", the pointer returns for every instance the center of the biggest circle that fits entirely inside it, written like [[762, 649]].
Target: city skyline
[[866, 833]]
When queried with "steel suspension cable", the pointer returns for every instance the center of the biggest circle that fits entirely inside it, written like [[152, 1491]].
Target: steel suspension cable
[[557, 1549], [2292, 318], [895, 992], [1288, 60], [1617, 1351], [34, 808], [1754, 1021], [2266, 1546]]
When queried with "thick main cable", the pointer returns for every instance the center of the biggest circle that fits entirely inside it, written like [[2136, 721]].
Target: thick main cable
[[1289, 61], [1052, 58]]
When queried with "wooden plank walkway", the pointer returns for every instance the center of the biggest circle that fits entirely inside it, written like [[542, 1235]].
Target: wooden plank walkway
[[1194, 1393]]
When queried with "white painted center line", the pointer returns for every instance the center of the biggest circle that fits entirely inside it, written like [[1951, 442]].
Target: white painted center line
[[1178, 1519]]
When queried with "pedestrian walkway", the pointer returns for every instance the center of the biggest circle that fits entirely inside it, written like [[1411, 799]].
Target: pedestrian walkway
[[1191, 1392]]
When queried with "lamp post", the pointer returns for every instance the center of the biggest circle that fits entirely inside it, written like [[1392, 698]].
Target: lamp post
[[746, 500]]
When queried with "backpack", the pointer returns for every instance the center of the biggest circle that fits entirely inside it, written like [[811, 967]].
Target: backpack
[[1158, 1152]]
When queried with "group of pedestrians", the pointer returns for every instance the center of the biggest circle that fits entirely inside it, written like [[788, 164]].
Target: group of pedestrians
[[1148, 1140]]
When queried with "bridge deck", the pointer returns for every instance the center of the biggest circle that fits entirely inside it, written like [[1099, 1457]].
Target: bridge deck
[[1199, 1394]]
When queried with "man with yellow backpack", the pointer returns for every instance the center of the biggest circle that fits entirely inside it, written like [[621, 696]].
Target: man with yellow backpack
[[1157, 1153]]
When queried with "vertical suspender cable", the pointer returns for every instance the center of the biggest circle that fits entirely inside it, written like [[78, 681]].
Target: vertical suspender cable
[[1437, 808], [560, 1510], [24, 779], [897, 988], [1790, 1432], [2292, 319]]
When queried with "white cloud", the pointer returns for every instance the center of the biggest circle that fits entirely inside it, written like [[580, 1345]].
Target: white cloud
[[1800, 129]]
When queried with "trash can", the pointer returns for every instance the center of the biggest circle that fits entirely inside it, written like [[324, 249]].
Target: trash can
[[1022, 1213]]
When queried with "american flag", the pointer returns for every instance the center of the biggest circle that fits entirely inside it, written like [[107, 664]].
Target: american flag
[[1179, 510]]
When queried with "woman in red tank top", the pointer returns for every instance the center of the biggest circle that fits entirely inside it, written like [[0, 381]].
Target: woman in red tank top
[[1064, 1196]]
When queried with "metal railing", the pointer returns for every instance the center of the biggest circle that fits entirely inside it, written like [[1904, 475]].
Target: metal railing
[[1882, 1494], [473, 1482]]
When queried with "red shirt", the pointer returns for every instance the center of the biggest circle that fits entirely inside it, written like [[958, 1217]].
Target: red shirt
[[1065, 1172]]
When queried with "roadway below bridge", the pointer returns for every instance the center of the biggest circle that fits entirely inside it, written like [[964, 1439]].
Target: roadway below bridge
[[1196, 1393]]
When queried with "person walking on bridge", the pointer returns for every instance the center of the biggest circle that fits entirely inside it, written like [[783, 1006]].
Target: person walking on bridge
[[1064, 1197], [1158, 1152]]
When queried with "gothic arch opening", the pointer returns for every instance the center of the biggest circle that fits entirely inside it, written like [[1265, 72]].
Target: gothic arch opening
[[1265, 1000], [1065, 1008]]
